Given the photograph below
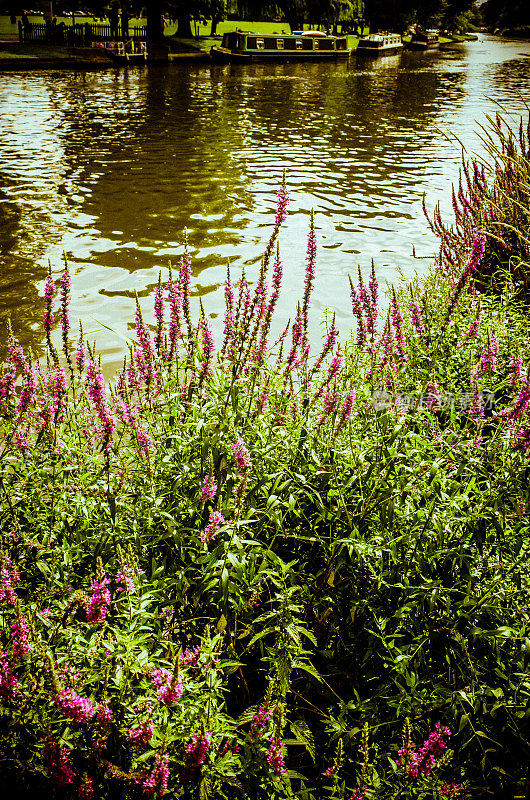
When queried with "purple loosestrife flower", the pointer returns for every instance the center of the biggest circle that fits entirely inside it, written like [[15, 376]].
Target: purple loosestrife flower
[[212, 529], [49, 295], [169, 687], [311, 255], [329, 345], [521, 402], [421, 763], [65, 287], [104, 714], [9, 683], [281, 208], [80, 353], [141, 736], [190, 658], [516, 363], [472, 331], [358, 314], [373, 286], [146, 362], [453, 790], [96, 392], [276, 757], [16, 353], [397, 322], [277, 273], [229, 746], [59, 764], [281, 215], [360, 793], [478, 248], [228, 333], [207, 346], [415, 315], [154, 784], [99, 604], [208, 488], [143, 438], [20, 638], [184, 288], [8, 575], [346, 410], [259, 722], [125, 580], [296, 340], [72, 705], [86, 788], [241, 454], [174, 300], [159, 315], [331, 401], [335, 365], [198, 748], [488, 359], [261, 401], [29, 388]]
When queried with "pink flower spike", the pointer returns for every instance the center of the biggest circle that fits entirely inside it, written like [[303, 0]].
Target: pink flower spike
[[212, 529], [241, 454], [198, 748], [208, 488]]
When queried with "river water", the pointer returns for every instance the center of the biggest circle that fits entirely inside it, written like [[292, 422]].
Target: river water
[[112, 167]]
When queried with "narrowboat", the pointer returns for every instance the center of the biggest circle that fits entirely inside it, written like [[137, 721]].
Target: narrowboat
[[380, 44], [424, 40], [244, 47]]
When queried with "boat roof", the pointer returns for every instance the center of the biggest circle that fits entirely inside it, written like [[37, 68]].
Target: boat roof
[[313, 34]]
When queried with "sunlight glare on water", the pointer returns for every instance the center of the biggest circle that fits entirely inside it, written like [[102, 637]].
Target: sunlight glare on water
[[112, 167]]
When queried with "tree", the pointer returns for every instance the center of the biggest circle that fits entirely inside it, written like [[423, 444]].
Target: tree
[[217, 13], [506, 13]]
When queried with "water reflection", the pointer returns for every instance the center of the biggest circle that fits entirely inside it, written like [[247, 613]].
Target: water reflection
[[112, 167]]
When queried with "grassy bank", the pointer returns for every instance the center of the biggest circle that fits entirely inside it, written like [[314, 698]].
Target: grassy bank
[[255, 571]]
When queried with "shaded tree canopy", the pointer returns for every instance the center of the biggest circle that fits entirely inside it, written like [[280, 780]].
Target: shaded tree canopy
[[506, 13]]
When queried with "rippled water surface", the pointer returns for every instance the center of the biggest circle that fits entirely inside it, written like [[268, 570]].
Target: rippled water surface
[[111, 168]]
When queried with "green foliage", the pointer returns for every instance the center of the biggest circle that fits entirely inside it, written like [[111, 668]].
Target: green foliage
[[264, 567]]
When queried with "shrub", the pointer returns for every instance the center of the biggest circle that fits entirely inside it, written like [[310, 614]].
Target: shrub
[[254, 572]]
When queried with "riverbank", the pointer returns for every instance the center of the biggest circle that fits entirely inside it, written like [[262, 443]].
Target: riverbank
[[262, 570], [17, 56]]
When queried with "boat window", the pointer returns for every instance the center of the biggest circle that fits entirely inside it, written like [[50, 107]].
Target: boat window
[[279, 44], [251, 42], [326, 44], [270, 43], [289, 44], [307, 43], [260, 44], [298, 44]]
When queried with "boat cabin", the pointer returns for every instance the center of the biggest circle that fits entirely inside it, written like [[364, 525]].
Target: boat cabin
[[380, 41], [243, 45]]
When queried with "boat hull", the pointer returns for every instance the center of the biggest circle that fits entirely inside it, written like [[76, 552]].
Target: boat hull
[[378, 52], [223, 56], [422, 45]]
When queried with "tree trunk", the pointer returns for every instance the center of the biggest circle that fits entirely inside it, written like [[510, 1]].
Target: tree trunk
[[184, 27], [215, 22], [154, 21]]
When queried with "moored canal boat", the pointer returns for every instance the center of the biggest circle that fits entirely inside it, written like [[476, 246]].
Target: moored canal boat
[[379, 44], [424, 40], [244, 47]]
